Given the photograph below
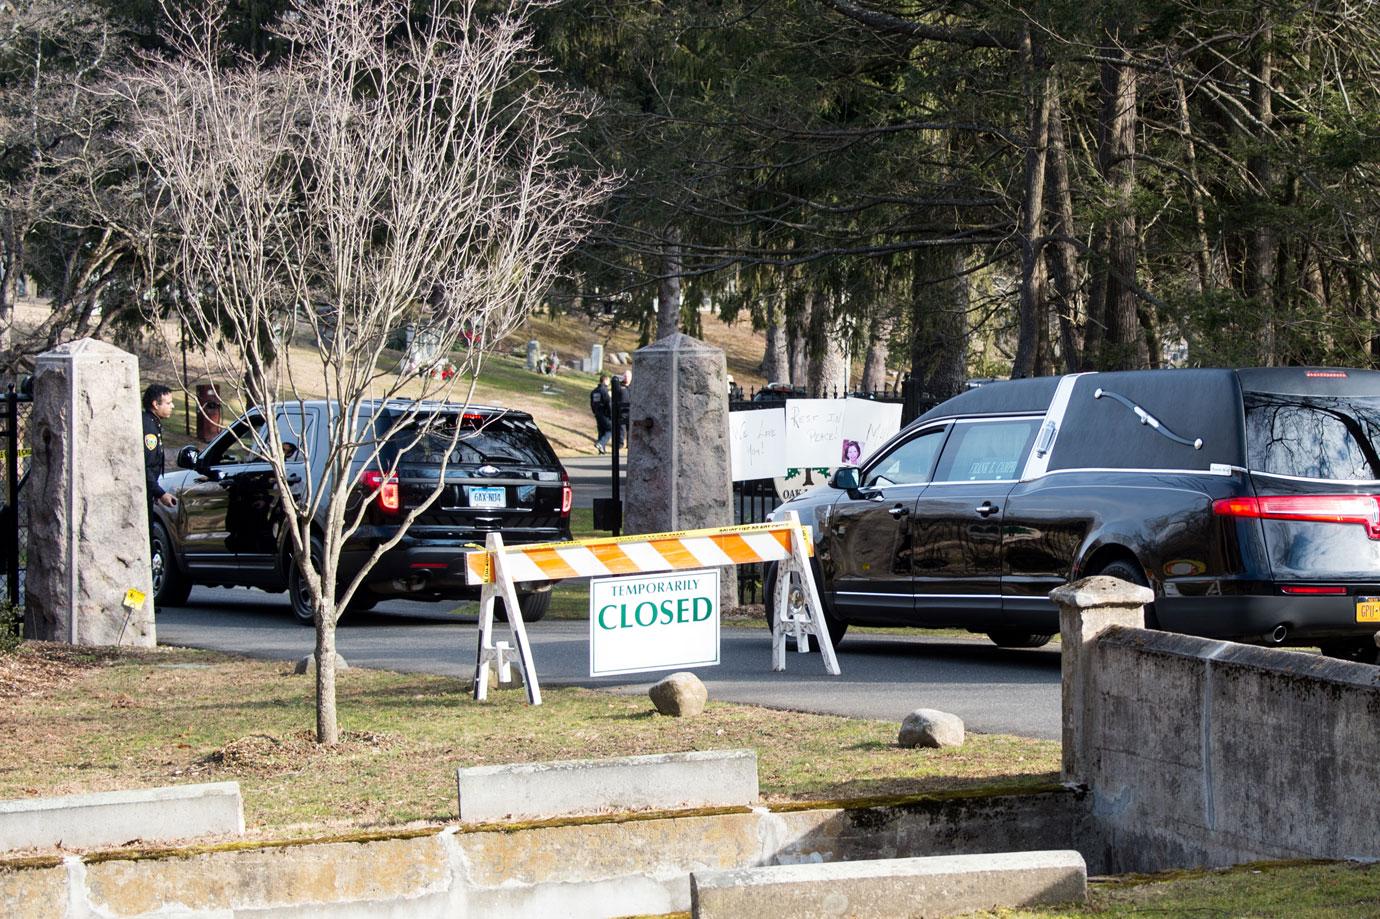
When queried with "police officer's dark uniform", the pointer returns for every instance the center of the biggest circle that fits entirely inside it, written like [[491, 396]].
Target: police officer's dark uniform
[[153, 458]]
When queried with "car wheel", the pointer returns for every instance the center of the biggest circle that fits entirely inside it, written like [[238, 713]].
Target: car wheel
[[1360, 650], [1129, 571], [299, 594], [171, 587], [1011, 638], [796, 599], [534, 607]]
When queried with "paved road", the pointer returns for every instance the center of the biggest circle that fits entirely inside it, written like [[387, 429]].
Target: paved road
[[884, 676], [591, 477]]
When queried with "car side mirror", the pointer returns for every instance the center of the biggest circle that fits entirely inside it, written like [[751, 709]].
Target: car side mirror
[[846, 478], [187, 458]]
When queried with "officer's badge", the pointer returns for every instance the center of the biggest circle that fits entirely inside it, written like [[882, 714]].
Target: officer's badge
[[150, 441]]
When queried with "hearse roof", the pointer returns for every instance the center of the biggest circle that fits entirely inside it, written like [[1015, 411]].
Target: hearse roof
[[1006, 397]]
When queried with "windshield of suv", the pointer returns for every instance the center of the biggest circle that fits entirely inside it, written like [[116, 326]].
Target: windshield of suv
[[1315, 437], [496, 440]]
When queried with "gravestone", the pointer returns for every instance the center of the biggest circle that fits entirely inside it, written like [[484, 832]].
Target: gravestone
[[88, 521], [596, 358], [533, 354], [678, 476]]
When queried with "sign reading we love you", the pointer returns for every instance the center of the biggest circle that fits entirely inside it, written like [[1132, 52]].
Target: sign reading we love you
[[653, 622]]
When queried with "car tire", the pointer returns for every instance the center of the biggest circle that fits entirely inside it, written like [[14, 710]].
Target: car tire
[[299, 595], [363, 603], [1011, 638], [534, 607], [171, 586], [837, 628], [1127, 570], [1359, 650]]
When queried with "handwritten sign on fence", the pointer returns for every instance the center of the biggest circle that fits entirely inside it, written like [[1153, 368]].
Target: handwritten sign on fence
[[757, 443]]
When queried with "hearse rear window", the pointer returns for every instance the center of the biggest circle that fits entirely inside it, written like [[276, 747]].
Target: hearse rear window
[[1315, 437]]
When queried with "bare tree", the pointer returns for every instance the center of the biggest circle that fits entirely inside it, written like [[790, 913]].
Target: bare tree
[[392, 169]]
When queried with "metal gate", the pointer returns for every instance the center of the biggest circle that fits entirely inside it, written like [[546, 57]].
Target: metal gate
[[14, 522]]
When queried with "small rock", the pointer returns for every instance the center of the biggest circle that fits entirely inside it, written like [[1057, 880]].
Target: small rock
[[515, 680], [926, 727], [679, 695], [309, 663]]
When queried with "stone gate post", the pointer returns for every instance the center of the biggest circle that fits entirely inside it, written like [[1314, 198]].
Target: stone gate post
[[1087, 608], [678, 475], [88, 516]]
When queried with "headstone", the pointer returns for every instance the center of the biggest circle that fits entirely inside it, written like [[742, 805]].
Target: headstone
[[678, 476], [596, 358], [533, 355], [89, 580], [679, 695], [926, 727], [1087, 608]]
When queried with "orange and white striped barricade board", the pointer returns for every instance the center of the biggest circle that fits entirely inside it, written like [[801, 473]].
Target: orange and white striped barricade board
[[500, 568]]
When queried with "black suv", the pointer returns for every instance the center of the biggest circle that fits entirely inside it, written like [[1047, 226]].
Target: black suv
[[227, 528], [1249, 500]]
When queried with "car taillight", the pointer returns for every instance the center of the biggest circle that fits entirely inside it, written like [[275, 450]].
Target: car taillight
[[1360, 509], [1312, 590], [567, 495], [385, 490]]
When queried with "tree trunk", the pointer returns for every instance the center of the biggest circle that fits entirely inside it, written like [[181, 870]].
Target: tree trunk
[[668, 289], [776, 365], [1123, 347], [825, 349], [1032, 210], [327, 727], [939, 322], [798, 346], [1260, 259], [1060, 259], [878, 351], [1203, 250]]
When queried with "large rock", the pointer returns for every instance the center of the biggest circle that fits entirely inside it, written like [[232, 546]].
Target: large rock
[[88, 520], [926, 727], [679, 695], [678, 475]]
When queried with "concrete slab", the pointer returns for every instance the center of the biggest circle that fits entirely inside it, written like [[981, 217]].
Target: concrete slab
[[665, 781], [935, 886], [113, 818]]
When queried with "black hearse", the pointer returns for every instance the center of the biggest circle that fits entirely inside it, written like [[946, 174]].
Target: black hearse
[[1249, 500]]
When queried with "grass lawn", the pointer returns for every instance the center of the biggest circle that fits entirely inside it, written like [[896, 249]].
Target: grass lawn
[[96, 720]]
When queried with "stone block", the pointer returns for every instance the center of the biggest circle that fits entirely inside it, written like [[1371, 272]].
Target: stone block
[[679, 695], [663, 781], [935, 886], [113, 818], [88, 529]]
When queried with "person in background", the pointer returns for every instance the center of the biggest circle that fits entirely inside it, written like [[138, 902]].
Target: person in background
[[601, 405]]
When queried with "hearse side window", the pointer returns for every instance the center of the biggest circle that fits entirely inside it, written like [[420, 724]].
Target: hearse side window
[[987, 451], [1314, 437], [909, 463]]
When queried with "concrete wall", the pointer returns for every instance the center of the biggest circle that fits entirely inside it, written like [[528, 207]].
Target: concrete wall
[[614, 866], [1207, 753]]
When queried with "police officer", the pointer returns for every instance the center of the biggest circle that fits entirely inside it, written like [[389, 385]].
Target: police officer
[[158, 404]]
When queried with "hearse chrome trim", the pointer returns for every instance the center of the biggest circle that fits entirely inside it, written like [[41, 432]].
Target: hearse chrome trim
[[1305, 478], [1043, 448]]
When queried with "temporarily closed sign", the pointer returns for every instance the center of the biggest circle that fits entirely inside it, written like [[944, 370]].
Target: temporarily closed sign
[[653, 622]]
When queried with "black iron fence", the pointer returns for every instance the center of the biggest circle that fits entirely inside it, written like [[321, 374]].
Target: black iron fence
[[14, 523]]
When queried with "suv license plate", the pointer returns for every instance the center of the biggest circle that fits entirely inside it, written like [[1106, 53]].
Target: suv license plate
[[1368, 609], [494, 497]]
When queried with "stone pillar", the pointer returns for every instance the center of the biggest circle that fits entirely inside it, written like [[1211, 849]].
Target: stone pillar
[[533, 354], [1087, 608], [88, 520], [678, 477]]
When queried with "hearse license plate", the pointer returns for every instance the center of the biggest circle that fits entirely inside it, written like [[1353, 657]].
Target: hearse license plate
[[1368, 609], [493, 497]]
